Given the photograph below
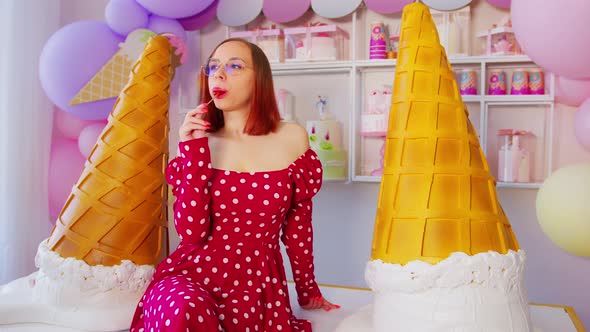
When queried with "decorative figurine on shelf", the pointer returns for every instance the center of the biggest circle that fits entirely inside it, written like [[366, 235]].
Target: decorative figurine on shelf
[[321, 106], [324, 115]]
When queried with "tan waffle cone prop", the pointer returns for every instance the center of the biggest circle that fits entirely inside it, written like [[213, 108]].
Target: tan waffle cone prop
[[117, 210], [108, 82], [437, 195]]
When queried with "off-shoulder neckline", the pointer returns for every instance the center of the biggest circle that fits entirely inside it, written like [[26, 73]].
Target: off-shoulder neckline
[[302, 156]]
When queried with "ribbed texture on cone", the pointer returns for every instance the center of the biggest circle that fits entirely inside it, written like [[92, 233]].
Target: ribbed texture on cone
[[117, 209], [437, 194]]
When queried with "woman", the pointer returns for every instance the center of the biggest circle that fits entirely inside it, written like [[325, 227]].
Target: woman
[[242, 180]]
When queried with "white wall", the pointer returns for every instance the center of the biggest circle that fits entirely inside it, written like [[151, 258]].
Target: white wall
[[344, 213]]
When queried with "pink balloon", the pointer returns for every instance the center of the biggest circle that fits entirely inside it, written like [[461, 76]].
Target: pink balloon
[[582, 124], [501, 3], [387, 6], [88, 138], [67, 124], [200, 20], [285, 11], [553, 34], [65, 166], [571, 92]]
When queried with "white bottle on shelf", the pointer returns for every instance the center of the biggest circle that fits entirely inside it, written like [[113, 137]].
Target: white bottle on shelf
[[505, 160]]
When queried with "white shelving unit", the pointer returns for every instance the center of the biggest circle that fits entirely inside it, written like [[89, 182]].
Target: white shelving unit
[[357, 71]]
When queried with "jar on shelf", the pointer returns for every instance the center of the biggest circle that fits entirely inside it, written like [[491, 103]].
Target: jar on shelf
[[497, 82], [536, 82], [468, 82], [520, 82], [378, 42]]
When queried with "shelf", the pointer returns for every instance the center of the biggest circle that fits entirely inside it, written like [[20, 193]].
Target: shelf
[[462, 60], [322, 66], [335, 180], [358, 75], [366, 178], [532, 185], [471, 98], [518, 99], [528, 185], [513, 99], [311, 66]]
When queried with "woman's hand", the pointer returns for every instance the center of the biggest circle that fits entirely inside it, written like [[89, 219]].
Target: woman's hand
[[194, 126], [319, 303]]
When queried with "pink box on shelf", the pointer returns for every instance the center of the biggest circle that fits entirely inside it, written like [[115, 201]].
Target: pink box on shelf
[[501, 41], [515, 160], [315, 42], [270, 40]]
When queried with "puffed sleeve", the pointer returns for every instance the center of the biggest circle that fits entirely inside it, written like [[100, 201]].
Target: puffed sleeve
[[189, 175], [306, 175]]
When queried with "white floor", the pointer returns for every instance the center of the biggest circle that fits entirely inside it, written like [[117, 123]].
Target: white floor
[[545, 319]]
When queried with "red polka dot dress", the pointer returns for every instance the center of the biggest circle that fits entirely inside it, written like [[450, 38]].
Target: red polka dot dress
[[227, 274]]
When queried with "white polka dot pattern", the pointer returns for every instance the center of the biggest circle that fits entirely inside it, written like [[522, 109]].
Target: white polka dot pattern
[[227, 274]]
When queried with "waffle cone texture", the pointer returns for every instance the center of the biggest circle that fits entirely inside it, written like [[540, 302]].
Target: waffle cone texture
[[437, 194], [117, 209]]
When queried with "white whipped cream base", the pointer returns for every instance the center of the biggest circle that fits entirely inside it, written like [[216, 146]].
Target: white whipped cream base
[[480, 293], [68, 292]]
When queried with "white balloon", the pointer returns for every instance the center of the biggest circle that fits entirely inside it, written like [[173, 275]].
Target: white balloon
[[334, 9], [238, 12], [446, 4]]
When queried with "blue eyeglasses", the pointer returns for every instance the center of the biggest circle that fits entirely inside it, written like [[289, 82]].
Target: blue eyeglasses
[[233, 66]]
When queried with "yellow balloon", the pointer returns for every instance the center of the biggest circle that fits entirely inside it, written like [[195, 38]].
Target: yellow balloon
[[563, 208]]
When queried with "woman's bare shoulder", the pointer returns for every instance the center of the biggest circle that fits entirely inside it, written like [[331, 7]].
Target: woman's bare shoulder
[[293, 136]]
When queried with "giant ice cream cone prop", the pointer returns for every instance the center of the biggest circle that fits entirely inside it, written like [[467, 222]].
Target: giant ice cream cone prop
[[444, 257], [117, 209], [112, 230], [437, 194]]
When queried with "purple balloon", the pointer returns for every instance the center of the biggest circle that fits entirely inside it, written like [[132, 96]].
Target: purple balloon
[[159, 24], [501, 3], [387, 6], [582, 124], [124, 16], [285, 11], [70, 58], [200, 20], [175, 8]]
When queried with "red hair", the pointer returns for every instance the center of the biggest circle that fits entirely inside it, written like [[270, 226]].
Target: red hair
[[264, 114]]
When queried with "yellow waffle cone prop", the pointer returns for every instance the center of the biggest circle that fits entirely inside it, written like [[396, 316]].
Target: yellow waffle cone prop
[[117, 209], [437, 195]]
